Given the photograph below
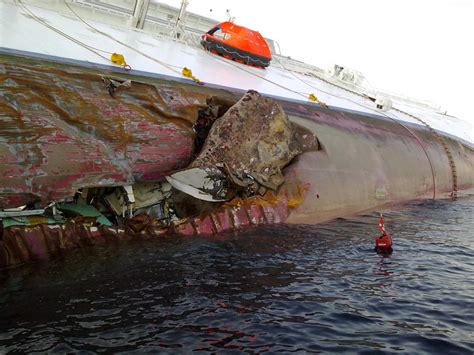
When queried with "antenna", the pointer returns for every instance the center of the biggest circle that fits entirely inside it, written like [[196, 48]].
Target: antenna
[[230, 17]]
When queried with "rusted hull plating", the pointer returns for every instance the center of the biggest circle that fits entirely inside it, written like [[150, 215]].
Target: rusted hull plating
[[62, 130]]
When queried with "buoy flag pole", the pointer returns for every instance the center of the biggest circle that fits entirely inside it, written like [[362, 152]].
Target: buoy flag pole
[[383, 243], [381, 223]]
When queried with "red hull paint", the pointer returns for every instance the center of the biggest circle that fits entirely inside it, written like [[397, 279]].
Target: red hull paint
[[61, 131]]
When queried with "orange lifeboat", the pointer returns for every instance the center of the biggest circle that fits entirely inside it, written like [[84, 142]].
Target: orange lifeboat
[[238, 43]]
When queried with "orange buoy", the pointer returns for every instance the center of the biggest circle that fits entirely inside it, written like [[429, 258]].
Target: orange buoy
[[383, 243]]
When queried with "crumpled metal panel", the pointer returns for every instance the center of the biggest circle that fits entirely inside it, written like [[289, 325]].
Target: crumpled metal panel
[[62, 130]]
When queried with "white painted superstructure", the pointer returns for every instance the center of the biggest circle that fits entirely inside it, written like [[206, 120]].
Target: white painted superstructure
[[24, 33]]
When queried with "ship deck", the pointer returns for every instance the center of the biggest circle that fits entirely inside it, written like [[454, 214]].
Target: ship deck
[[25, 32]]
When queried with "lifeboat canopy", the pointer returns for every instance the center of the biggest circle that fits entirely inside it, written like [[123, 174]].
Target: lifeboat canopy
[[238, 43]]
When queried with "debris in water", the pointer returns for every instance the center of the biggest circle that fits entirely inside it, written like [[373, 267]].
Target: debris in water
[[84, 210]]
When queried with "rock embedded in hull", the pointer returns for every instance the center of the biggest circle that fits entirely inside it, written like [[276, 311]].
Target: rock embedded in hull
[[252, 142]]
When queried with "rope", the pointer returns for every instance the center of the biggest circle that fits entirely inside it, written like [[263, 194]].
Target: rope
[[171, 67], [345, 98], [225, 61], [433, 131], [90, 48], [244, 57], [41, 21]]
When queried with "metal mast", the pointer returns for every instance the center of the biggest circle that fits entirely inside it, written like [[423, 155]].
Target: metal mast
[[139, 13], [181, 20]]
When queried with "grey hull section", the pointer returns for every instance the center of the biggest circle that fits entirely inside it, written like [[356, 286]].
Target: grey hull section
[[367, 163]]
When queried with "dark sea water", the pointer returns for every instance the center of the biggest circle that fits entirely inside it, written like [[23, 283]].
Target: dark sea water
[[279, 289]]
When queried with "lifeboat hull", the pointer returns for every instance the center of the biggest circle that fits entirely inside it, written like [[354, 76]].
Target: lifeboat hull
[[239, 55]]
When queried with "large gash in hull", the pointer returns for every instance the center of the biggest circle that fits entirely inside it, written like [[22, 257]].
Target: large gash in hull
[[63, 130]]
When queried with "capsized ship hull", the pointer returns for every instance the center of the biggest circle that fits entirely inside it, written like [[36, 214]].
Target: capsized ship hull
[[71, 121], [367, 163], [62, 130]]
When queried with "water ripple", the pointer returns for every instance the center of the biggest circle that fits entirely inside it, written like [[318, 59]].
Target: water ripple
[[275, 289]]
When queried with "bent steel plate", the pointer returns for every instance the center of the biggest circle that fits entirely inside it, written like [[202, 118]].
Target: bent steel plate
[[208, 183]]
